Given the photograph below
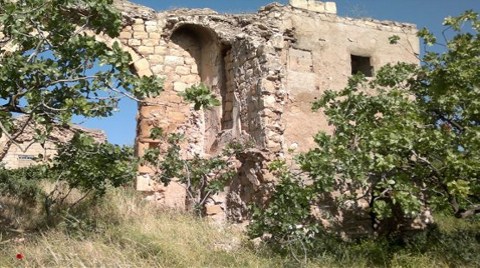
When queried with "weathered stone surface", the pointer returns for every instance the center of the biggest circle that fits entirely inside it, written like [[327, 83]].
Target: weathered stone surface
[[180, 86], [174, 60], [314, 5], [214, 210]]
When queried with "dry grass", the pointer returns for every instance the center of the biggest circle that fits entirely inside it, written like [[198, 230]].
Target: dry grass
[[128, 232], [124, 231]]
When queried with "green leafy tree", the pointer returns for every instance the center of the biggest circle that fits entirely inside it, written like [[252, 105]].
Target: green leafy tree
[[51, 69], [201, 96], [411, 145], [202, 177]]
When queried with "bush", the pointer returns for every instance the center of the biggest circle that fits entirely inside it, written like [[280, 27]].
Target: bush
[[22, 182], [81, 166]]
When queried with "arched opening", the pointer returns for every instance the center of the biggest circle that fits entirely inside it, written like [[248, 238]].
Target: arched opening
[[211, 61]]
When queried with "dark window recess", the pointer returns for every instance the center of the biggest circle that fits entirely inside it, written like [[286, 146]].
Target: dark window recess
[[153, 145], [361, 65]]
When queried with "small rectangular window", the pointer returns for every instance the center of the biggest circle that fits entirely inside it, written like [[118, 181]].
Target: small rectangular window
[[361, 65], [25, 157]]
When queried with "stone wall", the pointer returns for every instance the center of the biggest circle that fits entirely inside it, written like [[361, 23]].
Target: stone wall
[[266, 68], [25, 151], [320, 56]]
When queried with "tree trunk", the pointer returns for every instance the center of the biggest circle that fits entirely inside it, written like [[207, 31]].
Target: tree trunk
[[5, 149]]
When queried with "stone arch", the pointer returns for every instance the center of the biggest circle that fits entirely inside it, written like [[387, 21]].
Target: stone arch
[[141, 67], [139, 64], [212, 59]]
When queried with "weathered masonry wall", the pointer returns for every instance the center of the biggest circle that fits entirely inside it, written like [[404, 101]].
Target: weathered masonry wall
[[321, 56], [26, 150], [266, 68]]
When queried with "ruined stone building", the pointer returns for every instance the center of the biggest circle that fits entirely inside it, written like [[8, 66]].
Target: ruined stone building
[[267, 68], [24, 150]]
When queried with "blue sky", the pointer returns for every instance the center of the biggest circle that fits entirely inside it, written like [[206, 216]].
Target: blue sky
[[120, 128]]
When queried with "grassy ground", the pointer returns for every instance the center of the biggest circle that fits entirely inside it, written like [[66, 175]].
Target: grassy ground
[[124, 231]]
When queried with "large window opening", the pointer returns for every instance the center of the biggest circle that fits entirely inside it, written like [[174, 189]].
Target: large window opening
[[214, 62]]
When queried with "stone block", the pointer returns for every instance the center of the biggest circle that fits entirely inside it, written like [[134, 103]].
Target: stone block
[[331, 7], [191, 79], [277, 41], [140, 35], [180, 86], [134, 42], [314, 5], [182, 70], [175, 195], [301, 81], [146, 50], [194, 69], [145, 72], [158, 69], [161, 50], [214, 209], [269, 86], [151, 23], [141, 64], [172, 98], [155, 59], [144, 183], [269, 101], [125, 35], [150, 43], [168, 69], [190, 60], [150, 29], [154, 35], [174, 60], [148, 111], [138, 28]]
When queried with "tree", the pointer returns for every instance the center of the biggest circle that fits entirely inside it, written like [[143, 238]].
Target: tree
[[202, 177], [51, 69], [413, 144]]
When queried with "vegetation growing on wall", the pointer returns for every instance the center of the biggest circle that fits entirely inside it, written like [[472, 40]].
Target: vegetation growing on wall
[[202, 177]]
